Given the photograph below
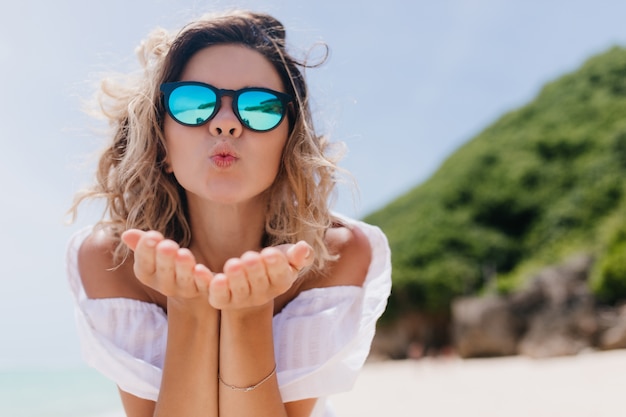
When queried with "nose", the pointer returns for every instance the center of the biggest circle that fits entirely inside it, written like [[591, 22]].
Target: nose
[[225, 122]]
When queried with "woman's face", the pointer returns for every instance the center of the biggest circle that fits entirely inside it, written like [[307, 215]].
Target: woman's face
[[222, 161]]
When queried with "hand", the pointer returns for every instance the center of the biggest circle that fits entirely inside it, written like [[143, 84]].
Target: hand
[[166, 267], [256, 278]]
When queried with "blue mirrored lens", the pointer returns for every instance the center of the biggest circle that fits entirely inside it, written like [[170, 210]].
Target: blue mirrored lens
[[192, 104], [260, 110]]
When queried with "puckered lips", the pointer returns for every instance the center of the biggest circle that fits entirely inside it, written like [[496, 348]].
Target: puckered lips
[[223, 155]]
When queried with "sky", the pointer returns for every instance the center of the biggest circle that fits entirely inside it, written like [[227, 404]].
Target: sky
[[406, 84]]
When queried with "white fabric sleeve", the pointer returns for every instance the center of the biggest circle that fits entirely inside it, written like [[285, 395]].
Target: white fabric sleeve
[[323, 337], [123, 339]]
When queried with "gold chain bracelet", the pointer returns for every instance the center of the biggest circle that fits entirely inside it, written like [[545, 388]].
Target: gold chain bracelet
[[251, 387]]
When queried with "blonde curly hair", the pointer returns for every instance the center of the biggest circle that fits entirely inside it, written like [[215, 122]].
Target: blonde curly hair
[[131, 175]]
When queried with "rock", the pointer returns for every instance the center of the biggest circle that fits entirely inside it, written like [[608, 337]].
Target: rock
[[413, 335], [554, 316], [563, 318], [557, 332], [484, 327], [613, 334]]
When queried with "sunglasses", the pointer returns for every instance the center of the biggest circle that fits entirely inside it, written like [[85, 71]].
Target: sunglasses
[[192, 103]]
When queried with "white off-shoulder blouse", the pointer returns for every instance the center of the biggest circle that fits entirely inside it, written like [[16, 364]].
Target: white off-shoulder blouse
[[321, 338]]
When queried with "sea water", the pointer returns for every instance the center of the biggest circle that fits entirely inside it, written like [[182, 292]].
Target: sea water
[[80, 392]]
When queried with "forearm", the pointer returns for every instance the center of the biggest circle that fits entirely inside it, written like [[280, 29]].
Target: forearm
[[246, 358], [189, 384]]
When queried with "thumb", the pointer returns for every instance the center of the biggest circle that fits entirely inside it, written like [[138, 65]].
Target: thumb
[[300, 255], [131, 237]]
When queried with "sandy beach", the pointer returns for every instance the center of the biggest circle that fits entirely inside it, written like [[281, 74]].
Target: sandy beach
[[587, 385]]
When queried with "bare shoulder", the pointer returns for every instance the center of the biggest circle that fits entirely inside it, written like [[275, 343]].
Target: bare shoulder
[[355, 255], [101, 276]]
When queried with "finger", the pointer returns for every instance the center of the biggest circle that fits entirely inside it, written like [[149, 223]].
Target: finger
[[202, 277], [184, 270], [166, 252], [256, 271], [300, 255], [219, 293], [237, 273], [131, 237], [279, 272], [145, 256]]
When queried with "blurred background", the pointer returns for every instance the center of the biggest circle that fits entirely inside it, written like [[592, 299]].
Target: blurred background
[[406, 85]]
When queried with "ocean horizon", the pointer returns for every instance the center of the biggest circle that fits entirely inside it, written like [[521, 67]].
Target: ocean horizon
[[74, 392]]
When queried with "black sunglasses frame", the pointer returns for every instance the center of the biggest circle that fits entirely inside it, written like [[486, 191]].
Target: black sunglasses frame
[[168, 88]]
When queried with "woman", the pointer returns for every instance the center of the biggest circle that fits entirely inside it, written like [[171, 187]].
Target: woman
[[220, 284]]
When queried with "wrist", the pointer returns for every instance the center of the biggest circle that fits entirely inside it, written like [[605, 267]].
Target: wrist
[[197, 307], [249, 314]]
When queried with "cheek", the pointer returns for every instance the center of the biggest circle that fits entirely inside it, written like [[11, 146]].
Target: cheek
[[280, 145], [271, 153], [170, 128]]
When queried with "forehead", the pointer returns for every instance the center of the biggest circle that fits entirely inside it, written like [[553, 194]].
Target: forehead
[[231, 66]]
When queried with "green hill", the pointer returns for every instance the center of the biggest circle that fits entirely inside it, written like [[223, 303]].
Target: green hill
[[543, 182]]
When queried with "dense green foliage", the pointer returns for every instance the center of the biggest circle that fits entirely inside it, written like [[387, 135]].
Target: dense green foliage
[[543, 182]]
